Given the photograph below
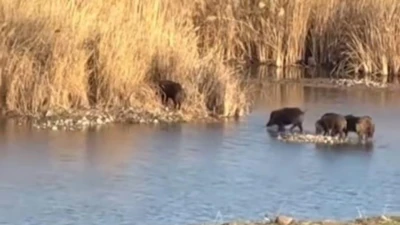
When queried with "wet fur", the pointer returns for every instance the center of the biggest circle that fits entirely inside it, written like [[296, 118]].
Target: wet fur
[[171, 90], [287, 116], [331, 124], [362, 125]]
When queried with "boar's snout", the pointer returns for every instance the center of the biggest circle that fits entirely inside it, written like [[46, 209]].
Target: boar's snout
[[271, 120]]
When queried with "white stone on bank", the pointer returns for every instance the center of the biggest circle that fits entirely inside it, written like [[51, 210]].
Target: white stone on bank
[[352, 82], [310, 138]]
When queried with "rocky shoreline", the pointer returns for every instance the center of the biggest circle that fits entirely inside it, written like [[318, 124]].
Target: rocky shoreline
[[347, 83], [286, 220], [341, 83], [83, 119]]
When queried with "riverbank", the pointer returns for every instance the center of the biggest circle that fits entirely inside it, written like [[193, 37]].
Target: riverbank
[[71, 55], [85, 118], [284, 220], [342, 83]]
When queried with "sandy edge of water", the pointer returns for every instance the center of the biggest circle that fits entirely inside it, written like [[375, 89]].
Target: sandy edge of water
[[283, 220], [82, 119]]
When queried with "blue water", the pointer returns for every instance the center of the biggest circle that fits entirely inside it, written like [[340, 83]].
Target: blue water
[[202, 173]]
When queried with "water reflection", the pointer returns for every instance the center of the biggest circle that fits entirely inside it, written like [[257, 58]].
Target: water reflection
[[272, 73], [111, 148], [281, 95], [186, 173], [286, 93]]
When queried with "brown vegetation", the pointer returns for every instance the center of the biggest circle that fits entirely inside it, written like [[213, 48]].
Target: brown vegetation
[[347, 36], [78, 54]]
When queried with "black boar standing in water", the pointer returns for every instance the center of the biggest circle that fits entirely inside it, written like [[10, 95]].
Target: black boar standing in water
[[171, 90], [287, 116], [332, 124], [362, 125]]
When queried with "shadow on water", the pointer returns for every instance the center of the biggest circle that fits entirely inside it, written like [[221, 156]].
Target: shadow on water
[[188, 173]]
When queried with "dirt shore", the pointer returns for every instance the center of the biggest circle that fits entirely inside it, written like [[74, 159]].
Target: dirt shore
[[343, 83], [283, 220], [82, 119]]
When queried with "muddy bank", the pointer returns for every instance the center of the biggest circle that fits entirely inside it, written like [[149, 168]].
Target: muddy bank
[[285, 220]]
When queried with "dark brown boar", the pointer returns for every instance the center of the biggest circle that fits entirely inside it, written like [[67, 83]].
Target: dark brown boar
[[332, 124], [287, 116], [172, 90]]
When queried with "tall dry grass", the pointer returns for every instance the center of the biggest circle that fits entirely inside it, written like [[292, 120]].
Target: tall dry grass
[[346, 36], [268, 31], [373, 43], [78, 54], [74, 54]]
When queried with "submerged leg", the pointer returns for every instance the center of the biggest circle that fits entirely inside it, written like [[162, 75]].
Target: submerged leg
[[292, 127], [342, 135], [300, 126], [281, 128]]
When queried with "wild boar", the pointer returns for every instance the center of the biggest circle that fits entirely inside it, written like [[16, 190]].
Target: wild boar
[[172, 90], [362, 125], [332, 124], [287, 116]]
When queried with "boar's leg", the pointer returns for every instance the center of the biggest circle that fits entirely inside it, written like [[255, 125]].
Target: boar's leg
[[176, 103], [338, 131], [164, 99], [281, 127], [342, 134], [346, 132], [299, 125], [333, 132], [361, 136], [326, 130]]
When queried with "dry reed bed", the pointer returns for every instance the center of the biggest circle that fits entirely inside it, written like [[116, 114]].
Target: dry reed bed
[[77, 54], [347, 36], [104, 54]]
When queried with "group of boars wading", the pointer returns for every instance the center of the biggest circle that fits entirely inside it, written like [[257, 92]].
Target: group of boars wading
[[330, 123]]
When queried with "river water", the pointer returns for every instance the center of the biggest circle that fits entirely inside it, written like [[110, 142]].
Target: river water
[[203, 173]]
